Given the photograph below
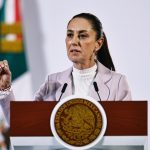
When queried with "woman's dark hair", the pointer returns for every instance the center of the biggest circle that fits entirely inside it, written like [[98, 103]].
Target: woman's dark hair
[[103, 54]]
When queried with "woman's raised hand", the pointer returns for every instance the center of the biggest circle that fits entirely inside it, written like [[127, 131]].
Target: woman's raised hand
[[5, 75]]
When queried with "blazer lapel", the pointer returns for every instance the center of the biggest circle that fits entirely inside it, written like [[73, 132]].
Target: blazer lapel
[[104, 90], [66, 77], [103, 76]]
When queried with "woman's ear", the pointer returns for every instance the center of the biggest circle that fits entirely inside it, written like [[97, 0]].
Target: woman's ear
[[99, 43]]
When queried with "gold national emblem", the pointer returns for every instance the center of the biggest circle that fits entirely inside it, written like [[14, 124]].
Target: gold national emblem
[[78, 122]]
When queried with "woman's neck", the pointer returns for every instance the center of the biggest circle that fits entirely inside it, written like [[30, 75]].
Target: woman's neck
[[83, 66]]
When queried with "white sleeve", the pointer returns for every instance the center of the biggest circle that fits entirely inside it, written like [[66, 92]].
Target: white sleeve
[[4, 94], [5, 104]]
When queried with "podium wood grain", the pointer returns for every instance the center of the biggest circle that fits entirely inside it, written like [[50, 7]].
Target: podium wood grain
[[128, 118]]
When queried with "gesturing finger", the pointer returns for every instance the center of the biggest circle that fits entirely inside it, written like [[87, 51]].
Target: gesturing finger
[[5, 62], [4, 68], [1, 64]]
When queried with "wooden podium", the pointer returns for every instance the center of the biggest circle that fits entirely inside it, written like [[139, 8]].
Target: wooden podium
[[127, 123]]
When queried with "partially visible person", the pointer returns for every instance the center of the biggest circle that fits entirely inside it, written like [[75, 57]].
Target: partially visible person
[[4, 137], [88, 51]]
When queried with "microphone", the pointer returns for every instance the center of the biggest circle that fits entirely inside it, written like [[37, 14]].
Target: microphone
[[96, 89], [63, 90]]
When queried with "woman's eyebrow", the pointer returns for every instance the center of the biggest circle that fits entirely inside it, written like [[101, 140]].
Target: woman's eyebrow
[[83, 31], [80, 31], [69, 30]]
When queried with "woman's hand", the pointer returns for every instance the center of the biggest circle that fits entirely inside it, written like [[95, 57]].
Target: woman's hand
[[5, 75]]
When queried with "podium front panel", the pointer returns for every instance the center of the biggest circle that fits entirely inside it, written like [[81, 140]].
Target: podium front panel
[[127, 118]]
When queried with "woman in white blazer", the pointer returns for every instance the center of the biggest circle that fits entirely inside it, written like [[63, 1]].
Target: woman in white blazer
[[87, 48]]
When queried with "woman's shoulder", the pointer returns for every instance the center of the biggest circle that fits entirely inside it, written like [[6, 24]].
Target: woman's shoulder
[[60, 75], [108, 74], [117, 74], [118, 80]]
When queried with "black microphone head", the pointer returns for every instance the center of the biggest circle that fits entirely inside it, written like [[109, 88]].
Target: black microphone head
[[64, 88], [95, 86]]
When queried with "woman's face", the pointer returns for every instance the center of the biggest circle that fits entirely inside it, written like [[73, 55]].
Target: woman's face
[[81, 43]]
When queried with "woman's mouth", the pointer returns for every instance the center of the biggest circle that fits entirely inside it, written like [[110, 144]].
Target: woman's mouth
[[74, 51]]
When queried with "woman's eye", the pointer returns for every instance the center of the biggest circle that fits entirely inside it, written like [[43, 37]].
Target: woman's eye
[[83, 36], [70, 35]]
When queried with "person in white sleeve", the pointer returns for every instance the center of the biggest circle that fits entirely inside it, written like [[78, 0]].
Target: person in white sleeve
[[87, 48], [2, 129]]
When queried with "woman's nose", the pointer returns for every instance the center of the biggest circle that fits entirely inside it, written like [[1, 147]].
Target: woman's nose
[[75, 40]]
